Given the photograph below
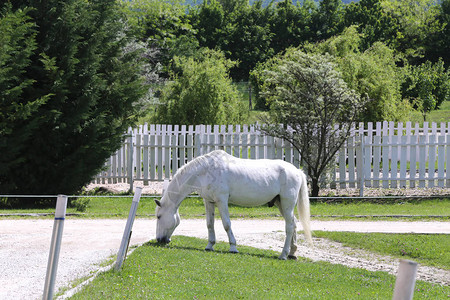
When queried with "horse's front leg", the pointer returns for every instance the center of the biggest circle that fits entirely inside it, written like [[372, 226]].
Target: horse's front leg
[[209, 206], [222, 204]]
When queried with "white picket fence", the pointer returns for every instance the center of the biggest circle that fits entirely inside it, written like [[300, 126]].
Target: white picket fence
[[384, 154]]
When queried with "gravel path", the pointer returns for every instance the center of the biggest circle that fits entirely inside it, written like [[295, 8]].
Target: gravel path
[[24, 247]]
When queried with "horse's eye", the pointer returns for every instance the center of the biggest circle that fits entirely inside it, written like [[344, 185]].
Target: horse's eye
[[159, 217]]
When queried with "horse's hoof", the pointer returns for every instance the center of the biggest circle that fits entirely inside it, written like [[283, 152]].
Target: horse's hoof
[[293, 257], [234, 251], [282, 258], [209, 249]]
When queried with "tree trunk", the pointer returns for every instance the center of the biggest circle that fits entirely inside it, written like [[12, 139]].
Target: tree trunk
[[315, 187]]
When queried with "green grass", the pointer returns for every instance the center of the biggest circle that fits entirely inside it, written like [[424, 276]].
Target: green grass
[[434, 207], [183, 270], [438, 116], [118, 207], [427, 249]]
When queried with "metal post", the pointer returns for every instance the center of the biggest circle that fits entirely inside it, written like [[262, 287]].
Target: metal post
[[55, 246], [406, 279], [127, 232]]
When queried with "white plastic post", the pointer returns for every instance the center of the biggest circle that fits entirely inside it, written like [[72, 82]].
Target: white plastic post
[[55, 246], [127, 232], [406, 279]]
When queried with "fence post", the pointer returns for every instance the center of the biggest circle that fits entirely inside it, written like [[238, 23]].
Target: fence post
[[360, 165], [55, 246], [127, 232], [406, 279]]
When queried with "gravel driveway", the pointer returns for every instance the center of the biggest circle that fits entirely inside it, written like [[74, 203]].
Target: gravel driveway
[[24, 247]]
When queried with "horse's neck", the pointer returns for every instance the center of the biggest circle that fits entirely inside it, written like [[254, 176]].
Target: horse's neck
[[178, 189]]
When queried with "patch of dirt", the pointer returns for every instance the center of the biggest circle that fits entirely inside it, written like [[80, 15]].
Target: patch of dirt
[[336, 253]]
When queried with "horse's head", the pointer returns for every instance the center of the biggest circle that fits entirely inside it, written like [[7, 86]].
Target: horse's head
[[167, 220]]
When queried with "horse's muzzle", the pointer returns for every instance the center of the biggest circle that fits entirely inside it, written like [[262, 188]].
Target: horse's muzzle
[[163, 240]]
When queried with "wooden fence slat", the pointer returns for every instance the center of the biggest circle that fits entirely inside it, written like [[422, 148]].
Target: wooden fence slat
[[342, 168], [403, 160], [376, 160], [394, 162], [167, 157], [367, 160], [252, 145], [152, 151], [385, 160], [413, 161], [183, 146], [174, 160], [422, 160], [145, 162], [159, 156], [441, 159], [432, 157], [448, 160], [351, 162]]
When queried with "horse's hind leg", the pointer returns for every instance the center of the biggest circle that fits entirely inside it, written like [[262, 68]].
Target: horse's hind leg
[[287, 211], [209, 206], [222, 204]]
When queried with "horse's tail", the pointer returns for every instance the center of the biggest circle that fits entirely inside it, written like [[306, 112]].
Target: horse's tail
[[303, 209]]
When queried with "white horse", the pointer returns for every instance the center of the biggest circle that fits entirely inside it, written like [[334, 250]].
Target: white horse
[[220, 179]]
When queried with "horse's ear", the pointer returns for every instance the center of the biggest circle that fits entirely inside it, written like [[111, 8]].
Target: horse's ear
[[157, 202]]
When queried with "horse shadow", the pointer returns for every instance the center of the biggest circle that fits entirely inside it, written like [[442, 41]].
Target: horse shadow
[[220, 248]]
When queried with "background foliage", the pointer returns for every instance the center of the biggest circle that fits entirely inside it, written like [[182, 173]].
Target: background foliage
[[75, 74], [201, 92], [73, 91]]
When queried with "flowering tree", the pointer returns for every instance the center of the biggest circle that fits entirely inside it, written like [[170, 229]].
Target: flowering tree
[[317, 109]]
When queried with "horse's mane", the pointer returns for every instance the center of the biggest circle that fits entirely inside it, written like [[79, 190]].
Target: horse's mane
[[204, 161]]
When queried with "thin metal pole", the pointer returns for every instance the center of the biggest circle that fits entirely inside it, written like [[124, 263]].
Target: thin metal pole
[[55, 246], [127, 232], [406, 279]]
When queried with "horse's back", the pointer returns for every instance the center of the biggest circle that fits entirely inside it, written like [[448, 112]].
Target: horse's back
[[256, 182]]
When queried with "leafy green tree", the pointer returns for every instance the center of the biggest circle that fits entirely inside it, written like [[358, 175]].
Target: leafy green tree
[[437, 43], [317, 109], [240, 30], [208, 20], [248, 39], [417, 19], [201, 93], [88, 89], [374, 24], [290, 24], [164, 25], [372, 73], [427, 86], [327, 21]]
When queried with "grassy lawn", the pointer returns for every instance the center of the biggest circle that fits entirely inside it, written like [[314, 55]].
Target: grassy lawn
[[182, 270], [118, 207], [427, 249], [440, 115]]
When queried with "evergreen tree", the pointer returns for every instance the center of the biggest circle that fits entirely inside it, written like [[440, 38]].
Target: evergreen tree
[[90, 86]]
